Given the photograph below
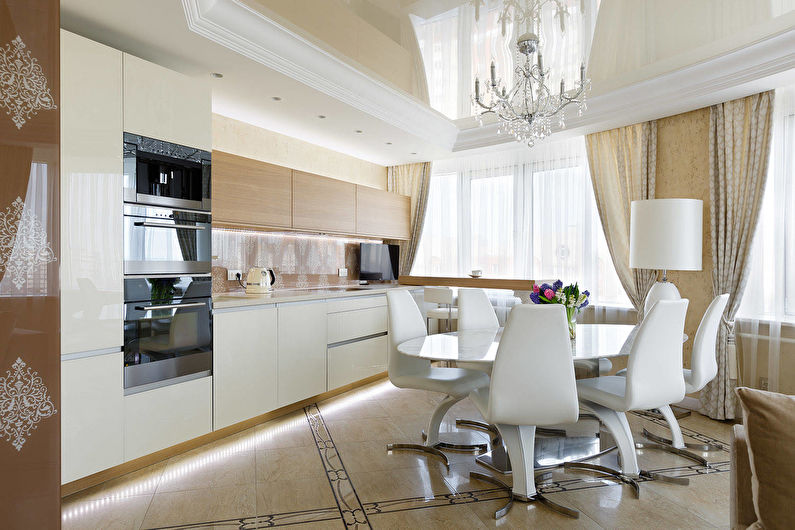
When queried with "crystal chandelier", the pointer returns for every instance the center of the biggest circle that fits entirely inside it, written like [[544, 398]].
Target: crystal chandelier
[[527, 109]]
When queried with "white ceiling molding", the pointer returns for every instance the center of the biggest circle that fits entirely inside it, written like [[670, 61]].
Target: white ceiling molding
[[248, 32], [763, 65]]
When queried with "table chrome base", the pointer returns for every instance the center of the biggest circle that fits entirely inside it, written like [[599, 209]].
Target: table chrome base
[[502, 512], [419, 447], [696, 447]]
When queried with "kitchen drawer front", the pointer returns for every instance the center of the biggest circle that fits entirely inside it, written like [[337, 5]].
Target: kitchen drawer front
[[355, 324], [355, 361], [354, 303]]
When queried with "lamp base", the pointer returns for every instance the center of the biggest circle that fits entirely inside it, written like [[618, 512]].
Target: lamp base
[[664, 290]]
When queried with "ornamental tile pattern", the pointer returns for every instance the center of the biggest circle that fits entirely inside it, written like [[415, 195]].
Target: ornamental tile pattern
[[24, 403], [23, 86]]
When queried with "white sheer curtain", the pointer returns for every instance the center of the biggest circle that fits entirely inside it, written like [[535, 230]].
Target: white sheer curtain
[[456, 48], [766, 316], [519, 214]]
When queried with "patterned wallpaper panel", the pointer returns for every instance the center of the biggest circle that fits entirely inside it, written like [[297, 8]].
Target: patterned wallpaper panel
[[300, 260]]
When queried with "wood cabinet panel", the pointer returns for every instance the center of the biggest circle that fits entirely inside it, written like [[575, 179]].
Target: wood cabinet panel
[[323, 204], [250, 192], [382, 213]]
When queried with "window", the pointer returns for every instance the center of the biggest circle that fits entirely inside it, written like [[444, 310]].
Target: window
[[770, 291], [519, 217]]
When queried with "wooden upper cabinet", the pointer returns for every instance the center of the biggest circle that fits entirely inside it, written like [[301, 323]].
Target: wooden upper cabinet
[[250, 193], [382, 213], [323, 204]]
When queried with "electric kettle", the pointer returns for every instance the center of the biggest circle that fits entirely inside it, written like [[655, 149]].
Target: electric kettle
[[260, 280]]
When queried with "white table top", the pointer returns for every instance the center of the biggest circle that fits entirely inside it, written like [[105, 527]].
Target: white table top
[[593, 341]]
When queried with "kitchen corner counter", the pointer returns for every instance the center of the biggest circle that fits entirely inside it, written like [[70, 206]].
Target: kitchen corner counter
[[225, 301]]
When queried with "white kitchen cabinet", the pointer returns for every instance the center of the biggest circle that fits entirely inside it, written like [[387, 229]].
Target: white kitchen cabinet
[[351, 362], [302, 351], [92, 415], [91, 195], [356, 324], [166, 105], [244, 364], [166, 416]]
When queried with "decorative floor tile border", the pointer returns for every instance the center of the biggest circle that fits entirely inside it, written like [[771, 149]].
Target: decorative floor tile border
[[266, 521], [703, 438], [350, 507]]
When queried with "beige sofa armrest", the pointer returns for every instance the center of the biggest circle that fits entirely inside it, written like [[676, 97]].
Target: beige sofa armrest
[[742, 501]]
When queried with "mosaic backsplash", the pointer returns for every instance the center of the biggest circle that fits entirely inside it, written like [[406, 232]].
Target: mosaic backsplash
[[299, 260]]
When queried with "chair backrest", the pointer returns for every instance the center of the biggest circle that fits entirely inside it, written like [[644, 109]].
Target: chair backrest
[[532, 381], [703, 363], [475, 310], [654, 368], [405, 323], [439, 295]]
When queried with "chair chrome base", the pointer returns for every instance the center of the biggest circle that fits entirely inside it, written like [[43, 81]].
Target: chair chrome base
[[595, 468], [469, 448], [673, 450], [496, 439], [651, 475], [419, 447], [679, 413], [697, 447], [502, 512]]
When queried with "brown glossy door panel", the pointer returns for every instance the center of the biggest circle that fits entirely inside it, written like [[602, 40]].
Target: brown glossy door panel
[[29, 288], [382, 213], [323, 204], [248, 192]]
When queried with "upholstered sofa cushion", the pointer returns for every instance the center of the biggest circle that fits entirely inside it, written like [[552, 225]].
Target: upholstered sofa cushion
[[769, 421]]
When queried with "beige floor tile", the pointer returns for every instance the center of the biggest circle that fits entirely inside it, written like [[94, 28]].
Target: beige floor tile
[[347, 407], [210, 469], [528, 515], [282, 496], [373, 486], [203, 505], [617, 507], [125, 513], [707, 496], [289, 463], [373, 456], [445, 517], [359, 430], [290, 431]]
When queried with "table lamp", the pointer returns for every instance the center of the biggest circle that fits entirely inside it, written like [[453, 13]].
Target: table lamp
[[665, 234]]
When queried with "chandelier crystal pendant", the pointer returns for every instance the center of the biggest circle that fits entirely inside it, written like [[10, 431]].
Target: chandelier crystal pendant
[[527, 109]]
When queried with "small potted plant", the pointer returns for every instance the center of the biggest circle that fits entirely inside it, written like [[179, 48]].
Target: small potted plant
[[569, 296]]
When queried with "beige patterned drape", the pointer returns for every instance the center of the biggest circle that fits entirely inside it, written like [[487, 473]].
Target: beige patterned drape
[[739, 149], [623, 169], [412, 180]]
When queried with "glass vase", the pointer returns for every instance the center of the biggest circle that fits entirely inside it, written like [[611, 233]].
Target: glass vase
[[571, 316]]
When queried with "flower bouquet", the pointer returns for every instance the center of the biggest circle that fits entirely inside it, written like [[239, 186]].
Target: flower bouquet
[[570, 296]]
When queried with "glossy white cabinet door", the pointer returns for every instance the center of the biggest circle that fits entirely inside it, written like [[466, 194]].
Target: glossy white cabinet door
[[302, 351], [91, 195], [244, 364], [163, 104], [166, 416], [355, 361], [92, 415]]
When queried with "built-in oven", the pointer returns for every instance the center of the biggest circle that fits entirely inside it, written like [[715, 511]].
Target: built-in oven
[[161, 173], [167, 331], [166, 241]]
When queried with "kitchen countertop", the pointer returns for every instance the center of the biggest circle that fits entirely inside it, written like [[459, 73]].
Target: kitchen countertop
[[278, 296]]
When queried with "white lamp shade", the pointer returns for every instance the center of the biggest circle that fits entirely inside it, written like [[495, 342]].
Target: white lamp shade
[[665, 234]]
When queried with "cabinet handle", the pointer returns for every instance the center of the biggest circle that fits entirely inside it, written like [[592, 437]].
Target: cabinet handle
[[168, 306], [166, 225]]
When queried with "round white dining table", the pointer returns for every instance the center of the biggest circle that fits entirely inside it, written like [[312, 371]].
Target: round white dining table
[[553, 446]]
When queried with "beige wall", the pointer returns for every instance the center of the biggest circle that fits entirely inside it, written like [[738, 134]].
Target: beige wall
[[247, 140]]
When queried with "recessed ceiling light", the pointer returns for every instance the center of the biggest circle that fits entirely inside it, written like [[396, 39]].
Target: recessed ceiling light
[[358, 131], [217, 75], [389, 143], [321, 116], [413, 153], [276, 98]]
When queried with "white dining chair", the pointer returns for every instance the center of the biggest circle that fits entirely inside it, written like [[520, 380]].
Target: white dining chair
[[475, 311], [406, 323], [704, 368], [444, 299], [653, 380], [532, 384]]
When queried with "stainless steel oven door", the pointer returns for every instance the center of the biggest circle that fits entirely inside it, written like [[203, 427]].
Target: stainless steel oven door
[[166, 241], [166, 343]]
